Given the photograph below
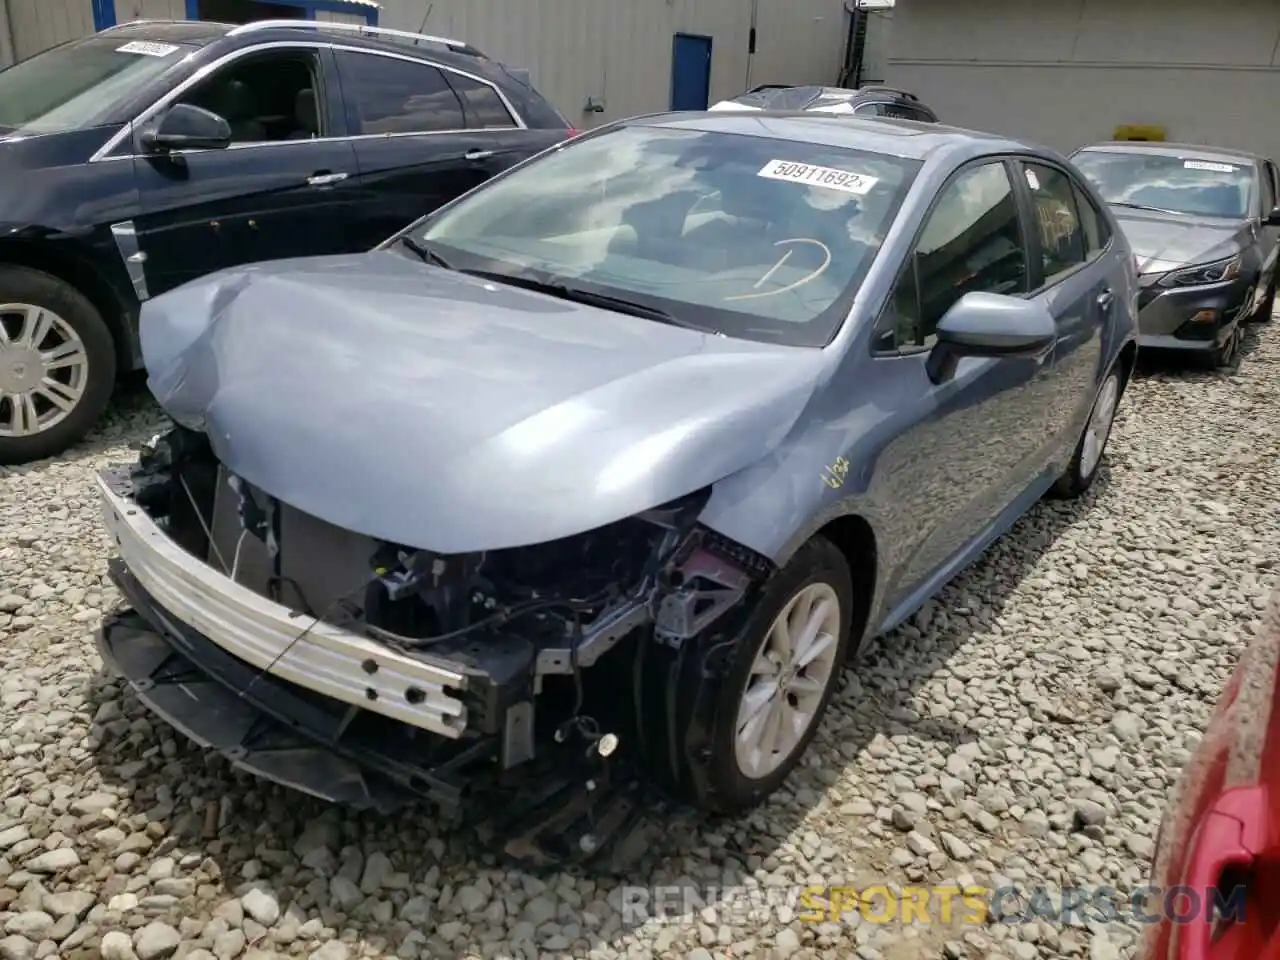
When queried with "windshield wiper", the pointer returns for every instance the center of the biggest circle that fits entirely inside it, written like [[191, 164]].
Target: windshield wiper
[[425, 253], [1144, 206], [578, 295]]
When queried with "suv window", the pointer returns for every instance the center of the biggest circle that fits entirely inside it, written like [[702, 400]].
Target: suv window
[[900, 111], [1274, 188], [1054, 205], [882, 108], [972, 241], [264, 97], [390, 95], [80, 84], [484, 107]]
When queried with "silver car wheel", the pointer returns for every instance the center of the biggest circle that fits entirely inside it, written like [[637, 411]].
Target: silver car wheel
[[44, 368], [788, 680], [1099, 427]]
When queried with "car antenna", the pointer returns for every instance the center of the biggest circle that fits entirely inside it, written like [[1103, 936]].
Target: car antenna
[[425, 17]]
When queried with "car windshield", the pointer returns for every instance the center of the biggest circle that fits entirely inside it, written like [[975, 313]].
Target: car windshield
[[1210, 188], [746, 236], [77, 84]]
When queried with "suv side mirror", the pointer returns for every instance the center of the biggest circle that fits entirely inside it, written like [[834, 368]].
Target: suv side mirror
[[1272, 219], [990, 325], [187, 127]]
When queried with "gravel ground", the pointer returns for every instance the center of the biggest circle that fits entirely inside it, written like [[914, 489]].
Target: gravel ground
[[1024, 728]]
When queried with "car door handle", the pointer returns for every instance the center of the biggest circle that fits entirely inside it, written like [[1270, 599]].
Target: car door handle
[[478, 155], [325, 179], [1105, 299]]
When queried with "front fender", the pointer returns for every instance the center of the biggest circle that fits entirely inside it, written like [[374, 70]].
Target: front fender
[[819, 473]]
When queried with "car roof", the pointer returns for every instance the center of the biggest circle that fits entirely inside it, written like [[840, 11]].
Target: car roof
[[906, 139], [1194, 151], [204, 32], [197, 32], [814, 96]]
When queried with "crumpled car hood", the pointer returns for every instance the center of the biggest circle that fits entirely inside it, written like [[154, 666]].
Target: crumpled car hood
[[445, 412]]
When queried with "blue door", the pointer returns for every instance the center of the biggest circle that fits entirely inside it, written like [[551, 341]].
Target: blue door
[[690, 71]]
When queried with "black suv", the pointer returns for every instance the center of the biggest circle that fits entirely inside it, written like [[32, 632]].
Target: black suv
[[872, 100], [152, 153]]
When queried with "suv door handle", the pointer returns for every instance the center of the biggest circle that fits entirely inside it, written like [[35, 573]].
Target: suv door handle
[[477, 155], [1105, 299], [324, 179]]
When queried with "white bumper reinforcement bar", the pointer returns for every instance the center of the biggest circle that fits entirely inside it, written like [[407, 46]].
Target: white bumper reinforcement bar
[[327, 660]]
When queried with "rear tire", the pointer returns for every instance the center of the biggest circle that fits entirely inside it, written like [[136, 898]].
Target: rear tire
[[45, 409], [1092, 446]]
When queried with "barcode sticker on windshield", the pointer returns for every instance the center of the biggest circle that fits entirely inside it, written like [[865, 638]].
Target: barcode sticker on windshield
[[1209, 165], [815, 176], [147, 48]]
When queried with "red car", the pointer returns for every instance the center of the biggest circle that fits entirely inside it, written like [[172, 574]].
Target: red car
[[1222, 828]]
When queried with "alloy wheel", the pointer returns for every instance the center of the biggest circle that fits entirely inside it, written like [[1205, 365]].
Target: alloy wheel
[[1099, 427], [44, 368], [788, 680]]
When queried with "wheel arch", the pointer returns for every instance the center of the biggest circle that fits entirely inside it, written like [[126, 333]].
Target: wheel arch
[[76, 268], [855, 538], [1127, 362]]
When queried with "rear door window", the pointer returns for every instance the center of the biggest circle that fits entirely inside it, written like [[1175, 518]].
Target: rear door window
[[391, 95], [1096, 232], [1053, 202]]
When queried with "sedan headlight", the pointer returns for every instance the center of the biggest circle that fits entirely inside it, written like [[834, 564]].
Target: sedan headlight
[[1202, 273]]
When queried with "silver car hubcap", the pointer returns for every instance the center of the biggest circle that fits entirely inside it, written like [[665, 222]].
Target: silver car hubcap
[[788, 679], [1099, 428], [44, 368]]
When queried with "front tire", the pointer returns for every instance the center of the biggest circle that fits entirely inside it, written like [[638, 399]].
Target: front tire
[[57, 365], [1265, 309], [784, 670], [1223, 356], [1083, 469]]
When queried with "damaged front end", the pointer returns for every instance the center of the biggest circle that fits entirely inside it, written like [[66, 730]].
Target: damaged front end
[[543, 688]]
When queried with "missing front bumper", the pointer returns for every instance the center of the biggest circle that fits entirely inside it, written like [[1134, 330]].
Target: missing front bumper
[[273, 728], [280, 732], [421, 691]]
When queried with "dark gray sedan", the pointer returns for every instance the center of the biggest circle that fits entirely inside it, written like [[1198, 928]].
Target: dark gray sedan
[[1204, 224], [601, 472]]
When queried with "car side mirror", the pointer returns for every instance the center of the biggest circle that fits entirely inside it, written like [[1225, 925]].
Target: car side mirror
[[1272, 219], [187, 127], [990, 325]]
